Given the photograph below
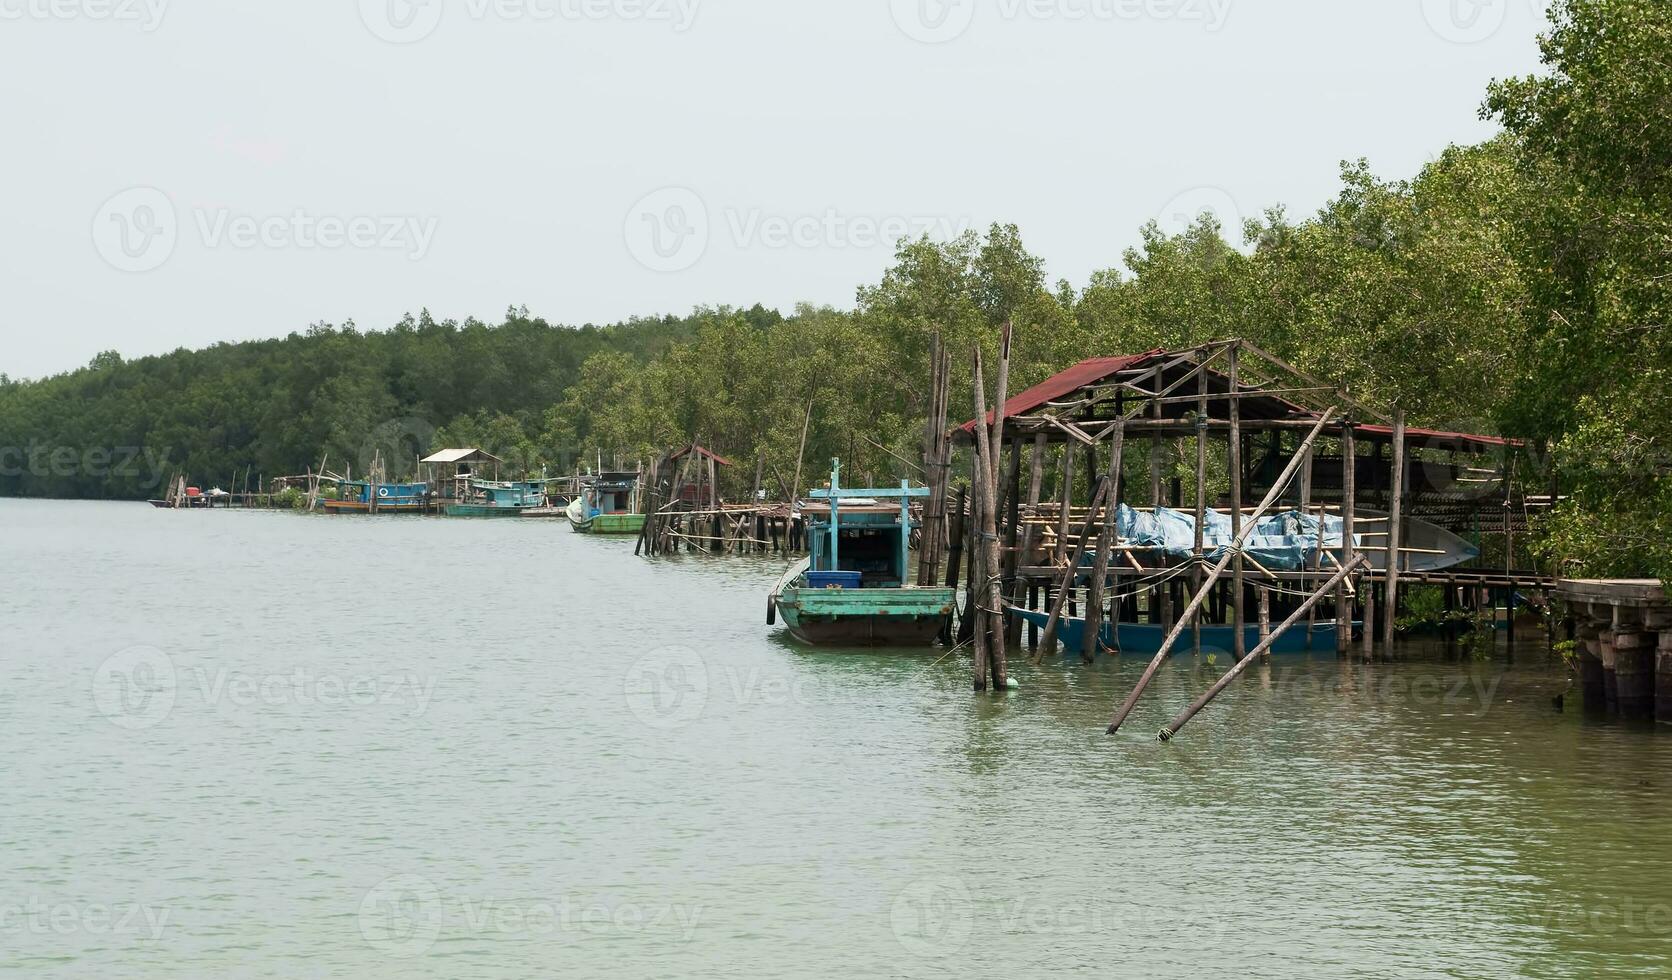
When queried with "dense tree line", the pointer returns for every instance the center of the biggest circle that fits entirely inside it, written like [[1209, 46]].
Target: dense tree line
[[1519, 286]]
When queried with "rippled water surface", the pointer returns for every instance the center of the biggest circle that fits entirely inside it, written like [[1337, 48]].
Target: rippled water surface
[[250, 744]]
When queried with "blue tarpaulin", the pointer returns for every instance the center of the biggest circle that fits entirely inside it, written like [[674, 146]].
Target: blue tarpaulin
[[1286, 541]]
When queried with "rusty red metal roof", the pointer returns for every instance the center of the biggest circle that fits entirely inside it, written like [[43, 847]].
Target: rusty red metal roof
[[1096, 369], [1087, 372]]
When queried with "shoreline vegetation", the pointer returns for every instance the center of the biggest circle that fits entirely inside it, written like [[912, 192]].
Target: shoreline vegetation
[[1520, 286]]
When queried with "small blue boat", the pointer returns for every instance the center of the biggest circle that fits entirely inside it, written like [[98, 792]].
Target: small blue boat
[[1146, 638]]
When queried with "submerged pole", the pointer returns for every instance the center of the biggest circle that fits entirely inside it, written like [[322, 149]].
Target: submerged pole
[[1231, 553], [1183, 717]]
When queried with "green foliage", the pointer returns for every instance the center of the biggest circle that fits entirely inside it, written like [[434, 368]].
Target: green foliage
[[1520, 286]]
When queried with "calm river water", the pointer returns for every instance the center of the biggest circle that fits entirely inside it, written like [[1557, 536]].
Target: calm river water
[[251, 744]]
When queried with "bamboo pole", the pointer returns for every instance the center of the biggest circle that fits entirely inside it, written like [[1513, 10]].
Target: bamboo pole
[[1092, 636], [1264, 649], [801, 454], [934, 469], [1276, 491], [980, 465], [995, 609]]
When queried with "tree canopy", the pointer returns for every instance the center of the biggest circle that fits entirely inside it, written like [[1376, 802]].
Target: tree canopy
[[1517, 286]]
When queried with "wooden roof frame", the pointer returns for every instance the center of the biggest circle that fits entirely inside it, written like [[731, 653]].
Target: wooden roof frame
[[1159, 393]]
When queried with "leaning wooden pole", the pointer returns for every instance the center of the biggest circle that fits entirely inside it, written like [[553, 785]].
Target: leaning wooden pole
[[1092, 636], [1231, 553], [1065, 584], [1183, 717]]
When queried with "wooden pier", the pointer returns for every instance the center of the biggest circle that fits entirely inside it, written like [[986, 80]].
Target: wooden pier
[[1623, 641]]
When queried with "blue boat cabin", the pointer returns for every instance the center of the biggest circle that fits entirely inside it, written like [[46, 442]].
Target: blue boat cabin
[[388, 494], [856, 540]]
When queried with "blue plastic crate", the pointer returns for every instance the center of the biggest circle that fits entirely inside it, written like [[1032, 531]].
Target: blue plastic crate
[[833, 580]]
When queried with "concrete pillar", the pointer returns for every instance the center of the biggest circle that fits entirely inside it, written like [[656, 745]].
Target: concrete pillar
[[1663, 678], [1634, 671], [1590, 667]]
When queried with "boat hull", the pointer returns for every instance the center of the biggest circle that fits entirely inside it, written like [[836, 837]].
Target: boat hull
[[616, 524], [865, 617], [483, 510], [1145, 639], [360, 507]]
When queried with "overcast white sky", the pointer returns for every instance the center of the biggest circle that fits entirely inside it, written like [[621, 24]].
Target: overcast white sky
[[179, 172]]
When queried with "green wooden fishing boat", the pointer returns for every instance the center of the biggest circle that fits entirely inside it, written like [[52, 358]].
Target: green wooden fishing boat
[[499, 500], [608, 504], [852, 588]]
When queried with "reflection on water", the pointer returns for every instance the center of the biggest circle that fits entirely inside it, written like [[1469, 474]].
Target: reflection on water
[[262, 744]]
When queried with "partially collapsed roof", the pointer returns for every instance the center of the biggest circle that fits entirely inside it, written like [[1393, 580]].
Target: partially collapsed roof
[[462, 456], [1090, 390]]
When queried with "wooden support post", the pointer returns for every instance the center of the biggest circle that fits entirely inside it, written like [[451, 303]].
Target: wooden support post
[[1368, 596], [1066, 496], [1265, 616], [1238, 589], [1306, 466], [1196, 554], [1012, 538], [1106, 543], [1160, 595], [1349, 479], [1023, 549], [1395, 518], [1271, 497], [1065, 584], [978, 553], [955, 549]]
